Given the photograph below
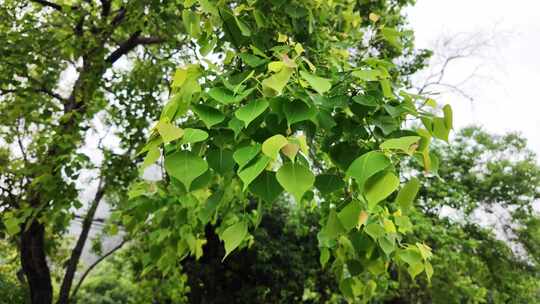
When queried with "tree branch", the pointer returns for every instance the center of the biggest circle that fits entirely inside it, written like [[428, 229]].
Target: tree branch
[[55, 6], [91, 267], [76, 253], [132, 42]]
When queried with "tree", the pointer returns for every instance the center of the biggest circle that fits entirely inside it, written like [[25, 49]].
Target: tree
[[298, 104], [47, 119], [477, 261], [292, 87]]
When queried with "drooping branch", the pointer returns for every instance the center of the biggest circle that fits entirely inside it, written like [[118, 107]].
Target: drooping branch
[[91, 267]]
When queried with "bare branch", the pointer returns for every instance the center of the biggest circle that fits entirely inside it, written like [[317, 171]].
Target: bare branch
[[76, 253], [91, 267]]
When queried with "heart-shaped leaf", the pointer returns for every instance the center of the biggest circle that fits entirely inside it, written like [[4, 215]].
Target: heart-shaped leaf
[[367, 165], [250, 173], [319, 84], [185, 166], [266, 187], [208, 115], [233, 236], [296, 179], [251, 111]]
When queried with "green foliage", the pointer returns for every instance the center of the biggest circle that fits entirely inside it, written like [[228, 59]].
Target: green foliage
[[11, 289], [283, 100]]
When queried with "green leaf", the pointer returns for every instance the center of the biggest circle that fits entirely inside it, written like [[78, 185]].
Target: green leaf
[[296, 179], [208, 115], [244, 29], [273, 85], [221, 160], [439, 129], [350, 215], [324, 257], [185, 166], [168, 131], [296, 111], [207, 212], [387, 88], [250, 173], [266, 187], [328, 183], [448, 117], [251, 111], [12, 225], [233, 236], [415, 269], [365, 100], [272, 145], [191, 23], [333, 227], [388, 244], [236, 125], [380, 187], [429, 270], [223, 95], [151, 157], [244, 155], [375, 230], [368, 75], [406, 195], [319, 84], [192, 136], [407, 144], [252, 60], [366, 166], [410, 256], [392, 36]]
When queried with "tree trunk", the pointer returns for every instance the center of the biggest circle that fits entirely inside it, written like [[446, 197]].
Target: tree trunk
[[34, 264]]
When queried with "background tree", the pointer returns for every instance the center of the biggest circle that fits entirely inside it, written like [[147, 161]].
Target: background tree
[[63, 87]]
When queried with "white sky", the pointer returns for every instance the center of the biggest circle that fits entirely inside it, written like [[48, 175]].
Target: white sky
[[506, 100]]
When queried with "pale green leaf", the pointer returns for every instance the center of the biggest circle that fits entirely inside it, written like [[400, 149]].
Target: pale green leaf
[[233, 236], [350, 215], [250, 173], [272, 145], [192, 136], [273, 85], [168, 131], [368, 75], [295, 179], [243, 155], [406, 144], [406, 195], [185, 166], [319, 84]]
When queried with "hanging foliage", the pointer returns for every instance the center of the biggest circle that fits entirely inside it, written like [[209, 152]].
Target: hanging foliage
[[301, 99]]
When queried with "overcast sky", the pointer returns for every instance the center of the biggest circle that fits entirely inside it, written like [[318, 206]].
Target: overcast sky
[[505, 93]]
